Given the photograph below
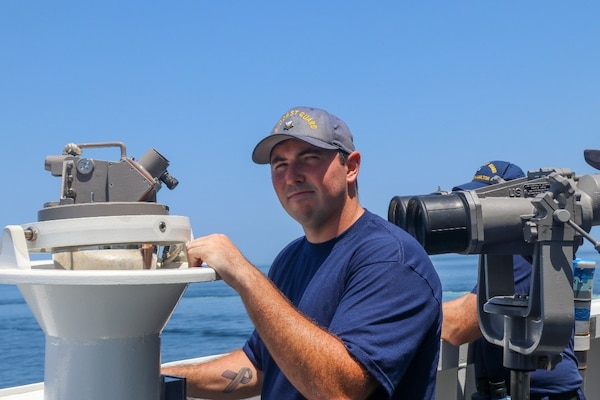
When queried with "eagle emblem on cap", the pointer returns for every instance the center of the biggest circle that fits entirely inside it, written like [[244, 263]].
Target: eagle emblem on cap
[[288, 125]]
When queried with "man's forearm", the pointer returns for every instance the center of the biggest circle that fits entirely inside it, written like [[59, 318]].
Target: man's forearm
[[230, 377]]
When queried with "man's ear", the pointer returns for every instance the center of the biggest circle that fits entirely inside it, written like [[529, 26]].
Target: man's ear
[[353, 165]]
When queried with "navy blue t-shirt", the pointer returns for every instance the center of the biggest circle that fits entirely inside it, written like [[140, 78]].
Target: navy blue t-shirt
[[375, 288], [489, 357]]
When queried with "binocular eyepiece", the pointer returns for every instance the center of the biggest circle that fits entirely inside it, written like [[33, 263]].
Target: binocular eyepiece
[[463, 222]]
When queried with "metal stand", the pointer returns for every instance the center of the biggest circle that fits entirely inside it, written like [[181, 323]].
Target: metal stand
[[519, 384], [534, 328]]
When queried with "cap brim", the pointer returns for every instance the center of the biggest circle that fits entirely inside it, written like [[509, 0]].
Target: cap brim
[[592, 157], [262, 151], [470, 186]]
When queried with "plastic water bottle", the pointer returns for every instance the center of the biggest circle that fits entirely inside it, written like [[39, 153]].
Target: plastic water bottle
[[498, 391]]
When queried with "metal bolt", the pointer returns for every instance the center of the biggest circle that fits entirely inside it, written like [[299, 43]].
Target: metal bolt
[[30, 234], [561, 215]]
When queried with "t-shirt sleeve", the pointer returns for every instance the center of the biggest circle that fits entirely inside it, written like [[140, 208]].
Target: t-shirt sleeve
[[387, 314], [253, 349]]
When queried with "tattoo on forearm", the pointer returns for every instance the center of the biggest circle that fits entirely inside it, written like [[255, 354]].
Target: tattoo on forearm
[[243, 377]]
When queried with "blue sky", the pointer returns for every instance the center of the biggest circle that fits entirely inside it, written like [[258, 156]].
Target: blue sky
[[430, 89]]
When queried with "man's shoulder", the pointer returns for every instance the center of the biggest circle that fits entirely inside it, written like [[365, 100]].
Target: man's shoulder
[[377, 240], [374, 223], [375, 226]]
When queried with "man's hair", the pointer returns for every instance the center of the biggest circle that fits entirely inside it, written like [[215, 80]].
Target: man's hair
[[343, 156]]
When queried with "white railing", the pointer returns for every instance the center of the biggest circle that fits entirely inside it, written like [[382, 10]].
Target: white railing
[[455, 378]]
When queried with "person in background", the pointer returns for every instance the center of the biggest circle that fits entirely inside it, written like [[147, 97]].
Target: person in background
[[461, 325], [352, 309]]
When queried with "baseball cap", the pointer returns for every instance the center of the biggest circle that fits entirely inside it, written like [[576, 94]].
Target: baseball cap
[[490, 173], [310, 124]]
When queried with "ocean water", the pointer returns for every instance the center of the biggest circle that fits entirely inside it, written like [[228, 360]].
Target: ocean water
[[209, 319]]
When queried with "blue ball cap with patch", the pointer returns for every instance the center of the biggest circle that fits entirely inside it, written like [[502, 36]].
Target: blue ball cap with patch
[[310, 124], [490, 173]]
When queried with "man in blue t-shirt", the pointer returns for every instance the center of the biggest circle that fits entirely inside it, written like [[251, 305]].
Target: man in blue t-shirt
[[461, 322], [350, 310]]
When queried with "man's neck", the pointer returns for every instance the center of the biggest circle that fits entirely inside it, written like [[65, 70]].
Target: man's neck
[[334, 228]]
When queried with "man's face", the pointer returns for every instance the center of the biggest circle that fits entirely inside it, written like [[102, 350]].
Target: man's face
[[310, 182]]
